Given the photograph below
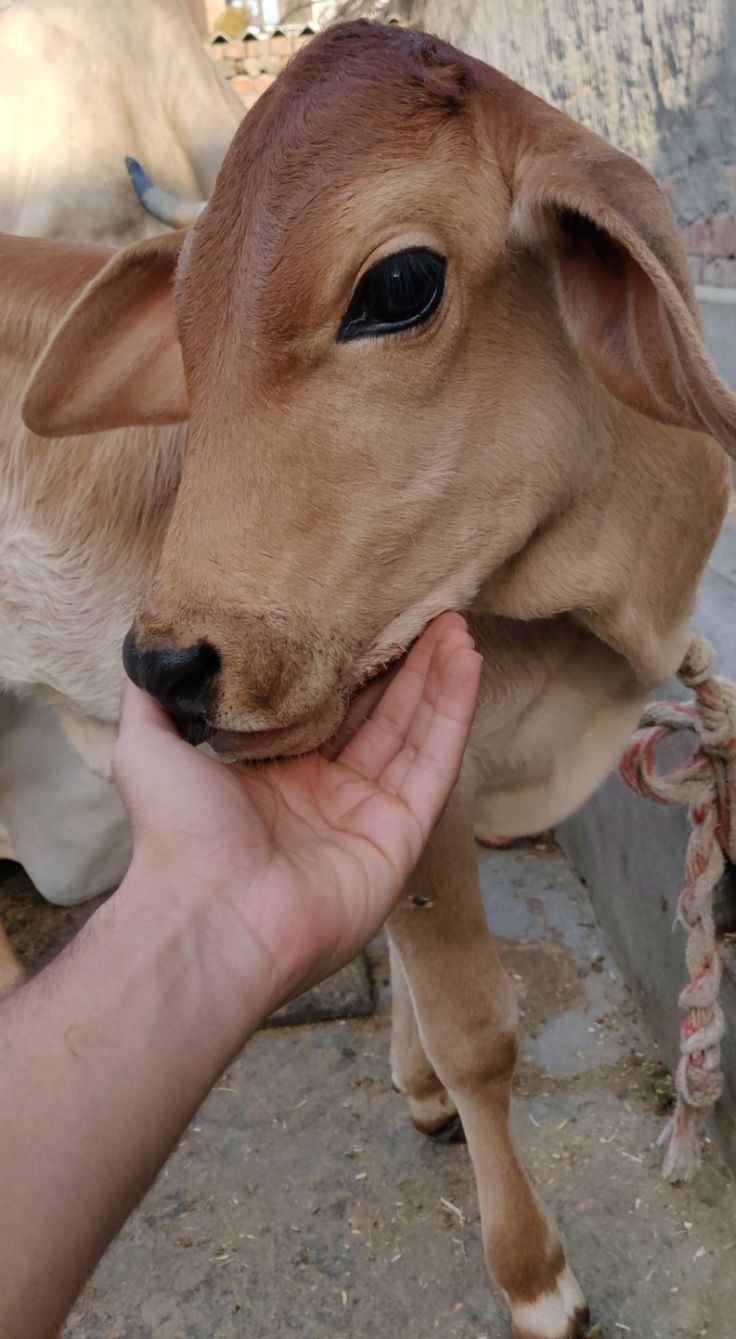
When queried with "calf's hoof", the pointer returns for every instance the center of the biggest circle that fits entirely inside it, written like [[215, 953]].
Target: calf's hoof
[[560, 1313], [437, 1117], [449, 1132]]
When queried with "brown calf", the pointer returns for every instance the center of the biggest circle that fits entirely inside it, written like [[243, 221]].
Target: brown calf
[[437, 347]]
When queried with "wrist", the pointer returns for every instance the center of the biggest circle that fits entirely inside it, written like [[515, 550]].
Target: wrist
[[198, 943]]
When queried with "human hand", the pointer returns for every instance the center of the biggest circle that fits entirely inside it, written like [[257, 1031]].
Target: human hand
[[310, 854]]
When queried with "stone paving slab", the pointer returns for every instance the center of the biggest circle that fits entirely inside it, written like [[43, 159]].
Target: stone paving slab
[[301, 1201], [315, 1209]]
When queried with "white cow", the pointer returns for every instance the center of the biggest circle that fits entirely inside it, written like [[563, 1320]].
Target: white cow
[[83, 86], [67, 823]]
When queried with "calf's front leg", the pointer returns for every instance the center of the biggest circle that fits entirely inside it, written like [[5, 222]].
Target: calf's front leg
[[430, 1106], [466, 1030]]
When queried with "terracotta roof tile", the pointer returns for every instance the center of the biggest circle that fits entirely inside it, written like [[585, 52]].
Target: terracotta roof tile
[[252, 57]]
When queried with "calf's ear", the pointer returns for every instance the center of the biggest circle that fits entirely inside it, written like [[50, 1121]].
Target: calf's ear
[[115, 359], [623, 285]]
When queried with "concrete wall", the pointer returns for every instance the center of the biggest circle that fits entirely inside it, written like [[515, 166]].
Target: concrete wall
[[630, 853], [718, 308], [655, 77]]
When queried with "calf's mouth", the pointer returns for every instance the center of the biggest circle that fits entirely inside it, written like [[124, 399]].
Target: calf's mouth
[[329, 731]]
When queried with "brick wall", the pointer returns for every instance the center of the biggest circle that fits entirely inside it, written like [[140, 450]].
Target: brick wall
[[252, 64]]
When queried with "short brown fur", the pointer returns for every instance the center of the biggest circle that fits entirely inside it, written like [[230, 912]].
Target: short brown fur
[[542, 454]]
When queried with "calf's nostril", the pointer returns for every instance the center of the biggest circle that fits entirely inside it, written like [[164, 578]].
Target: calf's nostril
[[181, 679]]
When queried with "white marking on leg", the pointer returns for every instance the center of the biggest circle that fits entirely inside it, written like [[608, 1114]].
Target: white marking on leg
[[550, 1316], [571, 1292]]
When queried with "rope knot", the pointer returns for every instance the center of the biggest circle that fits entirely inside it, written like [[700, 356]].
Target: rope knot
[[697, 664], [706, 783], [715, 700]]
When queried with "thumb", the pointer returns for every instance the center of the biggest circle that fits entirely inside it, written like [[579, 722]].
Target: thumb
[[144, 729], [141, 715]]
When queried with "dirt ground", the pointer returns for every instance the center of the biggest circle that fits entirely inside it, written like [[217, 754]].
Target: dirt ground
[[302, 1202]]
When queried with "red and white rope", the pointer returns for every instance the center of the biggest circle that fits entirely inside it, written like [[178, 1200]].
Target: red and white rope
[[707, 785]]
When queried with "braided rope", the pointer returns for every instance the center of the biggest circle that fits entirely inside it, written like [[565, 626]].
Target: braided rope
[[707, 785]]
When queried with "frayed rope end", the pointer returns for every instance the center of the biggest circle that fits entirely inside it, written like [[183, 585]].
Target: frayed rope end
[[707, 785], [681, 1140]]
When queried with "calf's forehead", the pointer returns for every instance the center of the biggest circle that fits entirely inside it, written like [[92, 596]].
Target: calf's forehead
[[324, 174]]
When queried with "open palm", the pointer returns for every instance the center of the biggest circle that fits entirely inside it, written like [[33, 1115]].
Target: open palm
[[313, 853]]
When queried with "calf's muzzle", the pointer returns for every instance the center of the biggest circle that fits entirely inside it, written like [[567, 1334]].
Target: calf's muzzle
[[182, 680], [246, 681]]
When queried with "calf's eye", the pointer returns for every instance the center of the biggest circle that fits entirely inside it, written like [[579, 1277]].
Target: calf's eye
[[396, 293]]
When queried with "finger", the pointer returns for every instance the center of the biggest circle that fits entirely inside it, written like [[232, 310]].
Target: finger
[[404, 716], [435, 631], [382, 736], [142, 721], [422, 718], [436, 634], [401, 715], [139, 711], [423, 774]]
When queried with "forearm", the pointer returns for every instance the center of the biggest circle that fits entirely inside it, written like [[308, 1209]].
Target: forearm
[[104, 1058]]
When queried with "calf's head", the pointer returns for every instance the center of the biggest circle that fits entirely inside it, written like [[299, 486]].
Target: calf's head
[[412, 296]]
